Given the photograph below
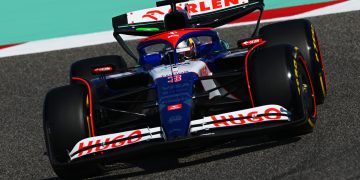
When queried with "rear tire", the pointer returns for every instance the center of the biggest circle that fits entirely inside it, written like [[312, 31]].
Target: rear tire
[[300, 33], [278, 76], [65, 123]]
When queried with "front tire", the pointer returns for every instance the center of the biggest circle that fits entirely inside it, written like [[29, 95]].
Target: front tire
[[66, 123], [277, 75], [300, 33]]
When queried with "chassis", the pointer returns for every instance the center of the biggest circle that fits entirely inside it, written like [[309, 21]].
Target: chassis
[[270, 82]]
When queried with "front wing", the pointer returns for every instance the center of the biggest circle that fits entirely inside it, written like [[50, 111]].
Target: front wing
[[200, 127]]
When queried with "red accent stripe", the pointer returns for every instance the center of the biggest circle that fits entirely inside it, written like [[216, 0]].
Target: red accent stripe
[[321, 61], [247, 71], [174, 107], [284, 12], [311, 84], [90, 102], [9, 45]]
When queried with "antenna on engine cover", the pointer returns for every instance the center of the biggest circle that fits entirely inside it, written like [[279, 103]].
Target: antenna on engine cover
[[175, 19], [172, 3]]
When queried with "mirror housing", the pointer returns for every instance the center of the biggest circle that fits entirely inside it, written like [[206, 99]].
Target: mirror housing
[[153, 59]]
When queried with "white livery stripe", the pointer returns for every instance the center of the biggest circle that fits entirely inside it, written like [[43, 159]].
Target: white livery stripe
[[242, 117], [85, 146], [194, 8]]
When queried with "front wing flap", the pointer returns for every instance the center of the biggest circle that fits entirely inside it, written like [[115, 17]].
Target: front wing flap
[[267, 113]]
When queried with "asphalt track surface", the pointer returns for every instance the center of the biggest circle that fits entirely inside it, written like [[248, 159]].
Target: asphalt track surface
[[332, 151]]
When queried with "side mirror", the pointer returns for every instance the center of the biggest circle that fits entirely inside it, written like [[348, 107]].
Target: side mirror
[[225, 44], [153, 59]]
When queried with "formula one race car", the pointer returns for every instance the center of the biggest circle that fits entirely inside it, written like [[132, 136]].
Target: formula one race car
[[188, 84]]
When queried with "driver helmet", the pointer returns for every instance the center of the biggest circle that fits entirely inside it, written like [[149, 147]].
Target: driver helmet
[[186, 50]]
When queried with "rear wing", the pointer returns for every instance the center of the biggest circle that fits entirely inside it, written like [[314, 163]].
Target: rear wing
[[204, 13]]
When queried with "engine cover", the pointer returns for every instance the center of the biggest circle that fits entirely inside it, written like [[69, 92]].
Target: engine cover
[[174, 85]]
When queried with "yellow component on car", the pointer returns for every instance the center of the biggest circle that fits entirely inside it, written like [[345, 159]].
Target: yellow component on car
[[87, 101], [322, 84], [296, 49], [314, 38], [317, 57], [297, 77], [310, 122], [88, 125]]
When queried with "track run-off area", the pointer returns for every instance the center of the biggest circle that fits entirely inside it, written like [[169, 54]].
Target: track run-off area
[[332, 151]]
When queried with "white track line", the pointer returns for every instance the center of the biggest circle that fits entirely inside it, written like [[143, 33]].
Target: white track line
[[107, 37]]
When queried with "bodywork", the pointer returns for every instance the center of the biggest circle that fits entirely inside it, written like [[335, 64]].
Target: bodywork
[[166, 100]]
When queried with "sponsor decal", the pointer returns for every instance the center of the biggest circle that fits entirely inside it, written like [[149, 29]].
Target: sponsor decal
[[175, 73], [174, 79], [251, 42], [248, 116], [313, 36], [193, 7], [104, 142], [104, 69], [152, 14], [251, 117], [173, 34], [311, 123], [178, 69], [297, 76], [174, 107], [322, 84], [317, 57], [111, 141]]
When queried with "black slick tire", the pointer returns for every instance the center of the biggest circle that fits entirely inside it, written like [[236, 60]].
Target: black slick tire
[[278, 76], [65, 123], [300, 33]]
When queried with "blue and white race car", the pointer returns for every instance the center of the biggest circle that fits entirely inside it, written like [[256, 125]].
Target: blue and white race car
[[188, 84]]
